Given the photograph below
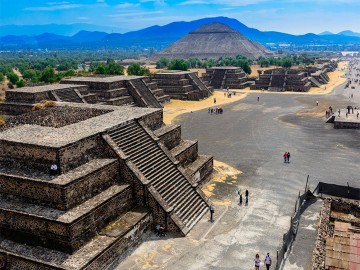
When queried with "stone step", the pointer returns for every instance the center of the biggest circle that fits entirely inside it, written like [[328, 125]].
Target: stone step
[[118, 101], [158, 92], [172, 187], [152, 175], [66, 231], [153, 160], [185, 152], [198, 213], [163, 98], [161, 183], [68, 95], [114, 93], [160, 161], [181, 187], [169, 135], [64, 191], [102, 251], [200, 169]]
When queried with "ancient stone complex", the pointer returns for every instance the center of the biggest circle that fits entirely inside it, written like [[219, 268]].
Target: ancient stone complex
[[214, 40], [120, 171], [223, 77], [282, 79], [338, 240], [182, 85], [298, 80]]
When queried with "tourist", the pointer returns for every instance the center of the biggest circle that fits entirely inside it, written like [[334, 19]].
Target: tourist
[[257, 261], [288, 157], [357, 116], [339, 112], [53, 169], [3, 262], [157, 229], [317, 103], [162, 230], [214, 100], [246, 197], [285, 157], [212, 210], [258, 98], [209, 110], [267, 261]]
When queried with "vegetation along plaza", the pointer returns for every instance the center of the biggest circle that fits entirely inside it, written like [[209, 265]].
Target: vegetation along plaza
[[138, 136]]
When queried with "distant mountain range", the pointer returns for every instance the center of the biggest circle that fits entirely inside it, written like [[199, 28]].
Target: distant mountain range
[[157, 37], [342, 33]]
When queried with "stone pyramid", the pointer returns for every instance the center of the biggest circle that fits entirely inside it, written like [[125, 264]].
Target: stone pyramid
[[214, 40]]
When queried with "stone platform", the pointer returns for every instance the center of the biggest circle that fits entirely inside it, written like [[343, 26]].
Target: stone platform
[[120, 170], [351, 121]]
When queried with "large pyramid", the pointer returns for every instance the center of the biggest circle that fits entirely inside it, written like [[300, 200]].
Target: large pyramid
[[214, 40]]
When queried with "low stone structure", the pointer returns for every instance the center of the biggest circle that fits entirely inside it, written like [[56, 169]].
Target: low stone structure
[[346, 119], [223, 77], [182, 85], [282, 79], [338, 242], [120, 170], [108, 90]]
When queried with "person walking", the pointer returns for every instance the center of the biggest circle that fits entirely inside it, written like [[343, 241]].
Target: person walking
[[214, 100], [285, 157], [267, 261], [240, 196], [288, 157], [212, 210], [257, 262], [246, 197], [258, 98], [317, 103]]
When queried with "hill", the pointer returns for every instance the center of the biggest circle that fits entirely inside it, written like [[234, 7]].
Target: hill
[[159, 37]]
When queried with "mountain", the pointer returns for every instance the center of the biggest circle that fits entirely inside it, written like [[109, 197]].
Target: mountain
[[326, 33], [58, 29], [159, 37], [349, 33], [212, 41]]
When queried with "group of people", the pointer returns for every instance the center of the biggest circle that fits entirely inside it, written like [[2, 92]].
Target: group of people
[[216, 110], [267, 261], [241, 197], [286, 157], [229, 93]]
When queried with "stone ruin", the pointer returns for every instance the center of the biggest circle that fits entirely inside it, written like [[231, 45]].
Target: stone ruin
[[223, 77], [282, 79], [121, 170], [107, 90], [338, 240], [184, 85]]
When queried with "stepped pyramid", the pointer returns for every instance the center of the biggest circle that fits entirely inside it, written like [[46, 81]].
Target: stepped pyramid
[[214, 40]]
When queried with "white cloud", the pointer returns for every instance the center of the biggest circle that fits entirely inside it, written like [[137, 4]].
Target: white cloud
[[83, 18], [127, 5], [54, 7], [135, 13]]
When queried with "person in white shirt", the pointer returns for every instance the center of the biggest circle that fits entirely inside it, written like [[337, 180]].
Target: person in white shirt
[[257, 261], [268, 261]]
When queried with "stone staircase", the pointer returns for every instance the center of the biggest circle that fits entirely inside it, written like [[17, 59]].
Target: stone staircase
[[68, 95], [146, 94], [200, 85], [161, 173]]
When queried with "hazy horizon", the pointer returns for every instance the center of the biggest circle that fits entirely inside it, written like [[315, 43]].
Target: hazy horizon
[[293, 17]]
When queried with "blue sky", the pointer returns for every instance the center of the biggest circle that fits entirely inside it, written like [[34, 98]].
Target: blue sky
[[291, 16]]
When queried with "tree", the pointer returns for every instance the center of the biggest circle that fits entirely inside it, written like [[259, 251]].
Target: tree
[[2, 77], [48, 75], [29, 74], [136, 69], [113, 68], [246, 67], [20, 83], [178, 64], [162, 63], [286, 62], [100, 69], [12, 76]]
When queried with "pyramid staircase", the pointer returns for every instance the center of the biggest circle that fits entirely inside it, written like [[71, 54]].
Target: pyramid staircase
[[68, 95], [174, 189]]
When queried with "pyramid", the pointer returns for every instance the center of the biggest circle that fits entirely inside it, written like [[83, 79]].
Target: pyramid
[[213, 41]]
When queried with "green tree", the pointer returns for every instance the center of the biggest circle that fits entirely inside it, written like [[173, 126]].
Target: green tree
[[29, 74], [48, 75], [2, 77], [136, 69], [12, 76], [20, 83], [178, 64], [100, 69], [162, 63], [112, 68]]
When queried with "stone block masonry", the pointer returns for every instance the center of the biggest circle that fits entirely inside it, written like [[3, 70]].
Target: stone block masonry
[[110, 189]]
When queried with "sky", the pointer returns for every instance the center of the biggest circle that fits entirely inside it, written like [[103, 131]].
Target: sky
[[289, 16]]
